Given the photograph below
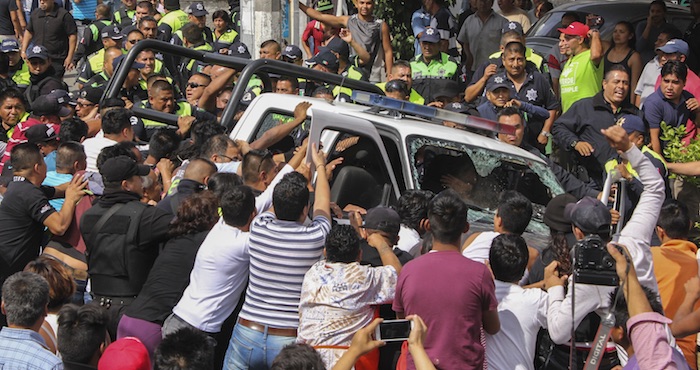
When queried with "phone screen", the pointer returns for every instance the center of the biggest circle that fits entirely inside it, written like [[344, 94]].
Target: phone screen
[[395, 330]]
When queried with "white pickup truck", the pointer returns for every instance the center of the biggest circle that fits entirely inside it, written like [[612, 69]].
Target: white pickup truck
[[388, 149]]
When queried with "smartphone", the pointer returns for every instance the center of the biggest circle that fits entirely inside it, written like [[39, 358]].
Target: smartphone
[[393, 330], [595, 22]]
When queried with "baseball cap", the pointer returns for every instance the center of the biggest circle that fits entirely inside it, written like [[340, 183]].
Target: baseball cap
[[122, 168], [631, 123], [41, 133], [675, 46], [9, 45], [91, 94], [513, 26], [590, 215], [125, 353], [497, 83], [37, 51], [325, 58], [430, 35], [196, 9], [457, 107], [113, 33], [554, 215], [239, 49], [323, 5], [383, 219], [62, 96], [339, 46], [47, 105], [134, 65], [575, 29], [292, 52]]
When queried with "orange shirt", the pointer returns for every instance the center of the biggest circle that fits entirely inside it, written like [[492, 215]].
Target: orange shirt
[[674, 264]]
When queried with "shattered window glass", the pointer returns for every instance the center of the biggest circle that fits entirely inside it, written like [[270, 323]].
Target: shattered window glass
[[479, 175]]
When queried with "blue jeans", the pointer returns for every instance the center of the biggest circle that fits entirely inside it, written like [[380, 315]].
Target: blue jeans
[[250, 349]]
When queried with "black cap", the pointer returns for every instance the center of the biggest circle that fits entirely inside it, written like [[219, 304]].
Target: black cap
[[62, 96], [590, 215], [122, 168], [383, 219], [37, 51], [248, 97], [112, 32], [46, 105], [325, 58], [239, 49], [40, 133], [91, 94], [196, 9], [554, 215], [496, 83], [292, 52], [457, 107], [339, 46]]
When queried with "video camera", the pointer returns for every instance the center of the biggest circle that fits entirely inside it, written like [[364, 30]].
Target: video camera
[[593, 264]]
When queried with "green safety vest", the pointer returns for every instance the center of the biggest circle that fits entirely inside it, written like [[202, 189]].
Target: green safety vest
[[143, 84], [611, 164], [190, 64], [183, 109], [97, 61], [21, 77], [96, 31], [226, 38], [175, 19], [124, 14], [442, 69], [414, 97]]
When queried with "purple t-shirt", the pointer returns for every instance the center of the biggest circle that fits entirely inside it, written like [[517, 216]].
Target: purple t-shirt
[[449, 292]]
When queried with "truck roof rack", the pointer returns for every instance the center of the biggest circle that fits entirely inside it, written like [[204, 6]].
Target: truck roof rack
[[248, 68], [432, 114]]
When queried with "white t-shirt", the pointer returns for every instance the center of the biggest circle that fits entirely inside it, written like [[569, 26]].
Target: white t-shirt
[[479, 249], [217, 280], [93, 146], [409, 241], [522, 313]]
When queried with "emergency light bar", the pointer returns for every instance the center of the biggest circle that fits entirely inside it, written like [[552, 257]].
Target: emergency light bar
[[434, 114]]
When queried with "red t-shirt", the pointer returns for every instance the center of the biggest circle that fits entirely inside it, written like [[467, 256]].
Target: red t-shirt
[[313, 29], [450, 293]]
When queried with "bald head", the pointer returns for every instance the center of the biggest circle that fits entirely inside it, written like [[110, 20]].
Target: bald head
[[200, 169]]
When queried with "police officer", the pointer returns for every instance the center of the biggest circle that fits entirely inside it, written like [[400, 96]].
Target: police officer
[[193, 39], [196, 14], [161, 98], [223, 36], [90, 41], [122, 235], [434, 73], [172, 21], [124, 16], [111, 37], [19, 69]]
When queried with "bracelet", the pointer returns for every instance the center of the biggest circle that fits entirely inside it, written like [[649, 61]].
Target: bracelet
[[320, 165], [546, 134]]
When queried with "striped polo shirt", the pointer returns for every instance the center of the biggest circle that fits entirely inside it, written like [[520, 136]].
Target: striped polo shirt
[[281, 252]]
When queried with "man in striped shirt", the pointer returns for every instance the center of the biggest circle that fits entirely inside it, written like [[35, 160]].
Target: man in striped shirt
[[283, 246]]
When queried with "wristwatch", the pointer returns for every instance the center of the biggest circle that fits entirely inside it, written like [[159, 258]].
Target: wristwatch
[[573, 144], [546, 134]]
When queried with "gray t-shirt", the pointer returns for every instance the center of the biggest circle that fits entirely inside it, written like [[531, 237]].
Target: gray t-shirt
[[369, 35], [483, 38]]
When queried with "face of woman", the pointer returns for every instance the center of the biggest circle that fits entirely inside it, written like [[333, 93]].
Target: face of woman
[[621, 34]]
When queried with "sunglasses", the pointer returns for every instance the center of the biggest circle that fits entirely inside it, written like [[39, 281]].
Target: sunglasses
[[194, 85]]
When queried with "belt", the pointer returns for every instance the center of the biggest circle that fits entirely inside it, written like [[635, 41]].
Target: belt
[[270, 330]]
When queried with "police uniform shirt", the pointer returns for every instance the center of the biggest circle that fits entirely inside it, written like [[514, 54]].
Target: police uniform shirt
[[22, 214]]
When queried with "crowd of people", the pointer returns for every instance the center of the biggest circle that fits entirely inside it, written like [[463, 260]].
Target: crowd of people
[[128, 243]]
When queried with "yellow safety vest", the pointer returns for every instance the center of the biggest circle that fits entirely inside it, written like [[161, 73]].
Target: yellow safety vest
[[414, 97], [183, 109], [611, 164]]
